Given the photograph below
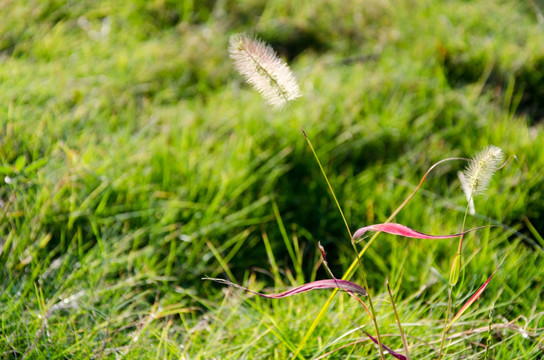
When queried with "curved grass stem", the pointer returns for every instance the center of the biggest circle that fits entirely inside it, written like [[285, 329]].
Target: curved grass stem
[[365, 283]]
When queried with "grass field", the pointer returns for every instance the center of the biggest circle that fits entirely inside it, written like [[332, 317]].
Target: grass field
[[135, 161]]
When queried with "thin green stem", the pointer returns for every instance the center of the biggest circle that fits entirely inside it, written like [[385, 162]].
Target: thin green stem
[[370, 302], [454, 276], [462, 230], [328, 183]]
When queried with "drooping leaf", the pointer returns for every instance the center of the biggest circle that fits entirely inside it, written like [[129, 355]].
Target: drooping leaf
[[314, 285], [398, 229]]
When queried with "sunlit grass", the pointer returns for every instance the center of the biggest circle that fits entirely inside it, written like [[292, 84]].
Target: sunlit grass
[[133, 162]]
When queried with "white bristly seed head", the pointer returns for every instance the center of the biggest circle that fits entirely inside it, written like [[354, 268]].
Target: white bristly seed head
[[264, 70], [476, 177]]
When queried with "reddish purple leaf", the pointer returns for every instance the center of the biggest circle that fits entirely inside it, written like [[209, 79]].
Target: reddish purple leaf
[[398, 229], [388, 349], [314, 285]]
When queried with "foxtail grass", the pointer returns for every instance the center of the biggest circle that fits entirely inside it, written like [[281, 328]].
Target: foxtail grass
[[474, 181], [274, 80]]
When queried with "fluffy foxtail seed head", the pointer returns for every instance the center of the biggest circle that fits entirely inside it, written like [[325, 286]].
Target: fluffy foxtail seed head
[[476, 177], [264, 70]]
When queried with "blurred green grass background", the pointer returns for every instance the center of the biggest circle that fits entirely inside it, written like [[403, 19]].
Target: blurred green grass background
[[135, 161]]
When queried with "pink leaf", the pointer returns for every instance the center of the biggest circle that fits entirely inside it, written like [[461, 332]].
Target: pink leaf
[[398, 229], [315, 285], [392, 352], [473, 298]]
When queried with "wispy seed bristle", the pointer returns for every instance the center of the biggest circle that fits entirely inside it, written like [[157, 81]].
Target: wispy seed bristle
[[264, 70], [481, 167]]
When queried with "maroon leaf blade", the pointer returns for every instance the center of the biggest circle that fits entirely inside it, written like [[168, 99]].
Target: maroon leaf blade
[[314, 285]]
